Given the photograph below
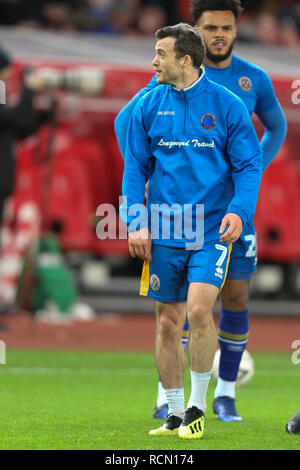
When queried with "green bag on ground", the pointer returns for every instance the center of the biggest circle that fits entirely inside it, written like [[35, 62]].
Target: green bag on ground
[[46, 279], [54, 280]]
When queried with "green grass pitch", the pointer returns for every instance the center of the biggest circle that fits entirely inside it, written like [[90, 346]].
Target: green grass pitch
[[104, 400]]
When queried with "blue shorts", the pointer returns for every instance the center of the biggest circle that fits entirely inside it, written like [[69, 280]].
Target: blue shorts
[[171, 270], [243, 258]]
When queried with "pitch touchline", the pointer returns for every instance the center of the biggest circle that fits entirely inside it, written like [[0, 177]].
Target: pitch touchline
[[83, 370]]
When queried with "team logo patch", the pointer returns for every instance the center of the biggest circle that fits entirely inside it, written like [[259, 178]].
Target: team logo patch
[[245, 83], [208, 121], [154, 282], [219, 272]]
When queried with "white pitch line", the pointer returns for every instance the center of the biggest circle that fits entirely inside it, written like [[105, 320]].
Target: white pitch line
[[131, 371]]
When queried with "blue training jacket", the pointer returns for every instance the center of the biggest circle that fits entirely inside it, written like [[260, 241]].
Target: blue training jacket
[[195, 146], [251, 84]]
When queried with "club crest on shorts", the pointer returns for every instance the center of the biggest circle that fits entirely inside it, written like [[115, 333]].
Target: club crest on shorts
[[208, 121], [245, 83], [155, 282]]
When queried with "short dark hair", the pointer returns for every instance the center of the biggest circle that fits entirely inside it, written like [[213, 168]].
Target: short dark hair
[[200, 6], [188, 41]]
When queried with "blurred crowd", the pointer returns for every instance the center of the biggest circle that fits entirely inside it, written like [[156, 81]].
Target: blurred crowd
[[275, 22], [267, 21]]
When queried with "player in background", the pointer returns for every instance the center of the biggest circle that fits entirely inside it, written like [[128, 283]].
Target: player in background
[[217, 22]]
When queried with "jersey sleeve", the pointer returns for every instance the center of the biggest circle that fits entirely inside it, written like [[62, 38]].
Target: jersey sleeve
[[272, 117], [266, 97], [136, 168], [275, 125], [122, 120], [244, 152]]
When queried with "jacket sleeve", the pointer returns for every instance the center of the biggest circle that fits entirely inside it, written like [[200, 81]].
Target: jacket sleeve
[[271, 115], [136, 169], [123, 118], [275, 133], [244, 152], [22, 118], [18, 117]]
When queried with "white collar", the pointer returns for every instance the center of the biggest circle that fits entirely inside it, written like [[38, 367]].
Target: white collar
[[194, 83]]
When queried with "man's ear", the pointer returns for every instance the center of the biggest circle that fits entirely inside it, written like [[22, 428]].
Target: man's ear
[[186, 60], [235, 31]]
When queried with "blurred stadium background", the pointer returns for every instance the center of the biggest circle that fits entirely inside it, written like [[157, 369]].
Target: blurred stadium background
[[97, 54]]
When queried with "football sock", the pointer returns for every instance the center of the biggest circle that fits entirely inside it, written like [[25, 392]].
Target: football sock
[[199, 385], [225, 388], [175, 399], [161, 395], [233, 334]]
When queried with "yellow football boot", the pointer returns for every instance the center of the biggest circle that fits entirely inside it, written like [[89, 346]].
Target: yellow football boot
[[192, 426], [169, 428]]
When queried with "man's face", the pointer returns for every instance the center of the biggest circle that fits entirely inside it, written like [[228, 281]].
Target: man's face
[[167, 66], [218, 29]]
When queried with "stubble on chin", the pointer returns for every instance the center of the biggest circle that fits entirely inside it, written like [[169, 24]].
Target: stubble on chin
[[219, 57]]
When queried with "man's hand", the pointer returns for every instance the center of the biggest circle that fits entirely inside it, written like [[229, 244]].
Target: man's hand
[[235, 228], [140, 244]]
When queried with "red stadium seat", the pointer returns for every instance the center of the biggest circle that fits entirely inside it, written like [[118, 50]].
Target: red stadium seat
[[277, 217], [70, 204], [96, 164]]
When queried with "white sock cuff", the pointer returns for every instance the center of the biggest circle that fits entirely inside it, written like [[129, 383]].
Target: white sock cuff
[[225, 389], [199, 381], [201, 375], [175, 399]]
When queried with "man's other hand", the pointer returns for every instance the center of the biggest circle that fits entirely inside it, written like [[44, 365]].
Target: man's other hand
[[235, 228], [140, 244]]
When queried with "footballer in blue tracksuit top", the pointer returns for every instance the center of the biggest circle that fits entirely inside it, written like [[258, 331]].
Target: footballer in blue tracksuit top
[[217, 22], [194, 142], [196, 146]]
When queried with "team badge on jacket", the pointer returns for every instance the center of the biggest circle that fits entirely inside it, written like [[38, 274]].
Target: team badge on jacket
[[208, 121], [245, 83]]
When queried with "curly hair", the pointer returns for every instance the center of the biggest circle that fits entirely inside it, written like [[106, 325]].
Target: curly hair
[[200, 6]]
